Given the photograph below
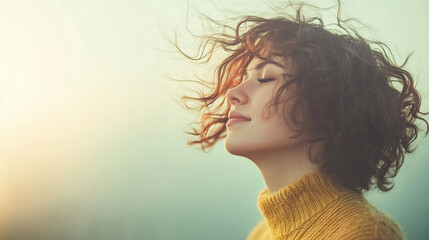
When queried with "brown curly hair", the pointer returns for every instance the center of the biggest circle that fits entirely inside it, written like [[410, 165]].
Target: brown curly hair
[[344, 90]]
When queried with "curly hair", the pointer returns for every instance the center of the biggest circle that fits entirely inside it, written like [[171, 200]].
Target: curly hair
[[343, 89]]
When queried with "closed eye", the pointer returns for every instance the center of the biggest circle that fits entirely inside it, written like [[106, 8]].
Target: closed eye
[[262, 80]]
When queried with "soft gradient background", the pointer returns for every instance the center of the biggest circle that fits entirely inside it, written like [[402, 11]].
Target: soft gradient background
[[92, 143]]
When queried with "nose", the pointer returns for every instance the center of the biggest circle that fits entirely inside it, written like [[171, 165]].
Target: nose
[[236, 95]]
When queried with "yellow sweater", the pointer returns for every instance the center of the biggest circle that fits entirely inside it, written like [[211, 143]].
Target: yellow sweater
[[317, 207]]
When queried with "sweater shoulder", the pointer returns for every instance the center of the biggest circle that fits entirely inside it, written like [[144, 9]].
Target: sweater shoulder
[[261, 231], [364, 221]]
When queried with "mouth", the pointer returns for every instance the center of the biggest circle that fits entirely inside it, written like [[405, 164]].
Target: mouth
[[235, 117], [233, 121]]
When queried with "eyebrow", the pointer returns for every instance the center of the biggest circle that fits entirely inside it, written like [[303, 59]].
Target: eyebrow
[[263, 63]]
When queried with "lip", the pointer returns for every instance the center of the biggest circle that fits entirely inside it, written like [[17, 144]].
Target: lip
[[232, 121], [234, 114], [235, 117]]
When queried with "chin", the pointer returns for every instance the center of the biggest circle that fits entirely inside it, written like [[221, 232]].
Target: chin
[[231, 149], [234, 148], [239, 148]]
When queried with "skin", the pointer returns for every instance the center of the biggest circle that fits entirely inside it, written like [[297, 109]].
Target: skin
[[265, 139]]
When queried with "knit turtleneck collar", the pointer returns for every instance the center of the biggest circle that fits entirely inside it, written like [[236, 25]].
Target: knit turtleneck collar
[[299, 201]]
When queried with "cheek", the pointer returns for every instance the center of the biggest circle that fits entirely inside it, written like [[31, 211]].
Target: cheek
[[273, 115], [275, 124], [275, 128], [266, 107]]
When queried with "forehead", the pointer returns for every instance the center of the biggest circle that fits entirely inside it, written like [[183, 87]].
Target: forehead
[[258, 63], [269, 58]]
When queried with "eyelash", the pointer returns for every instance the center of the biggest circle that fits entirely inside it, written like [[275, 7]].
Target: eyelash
[[263, 80]]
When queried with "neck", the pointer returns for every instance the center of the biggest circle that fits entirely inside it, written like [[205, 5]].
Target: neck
[[283, 167]]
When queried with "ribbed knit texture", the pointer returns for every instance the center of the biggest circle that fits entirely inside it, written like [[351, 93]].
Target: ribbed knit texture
[[317, 207]]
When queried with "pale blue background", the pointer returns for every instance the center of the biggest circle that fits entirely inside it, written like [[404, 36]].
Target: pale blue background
[[92, 144]]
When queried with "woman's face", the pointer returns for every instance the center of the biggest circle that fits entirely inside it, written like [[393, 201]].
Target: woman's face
[[260, 133]]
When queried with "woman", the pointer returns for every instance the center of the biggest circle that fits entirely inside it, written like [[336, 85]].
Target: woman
[[317, 112]]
